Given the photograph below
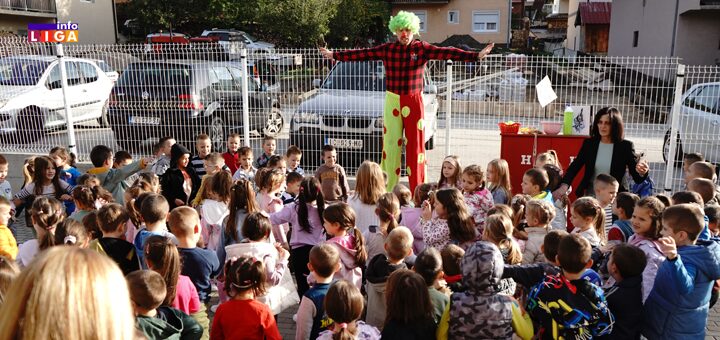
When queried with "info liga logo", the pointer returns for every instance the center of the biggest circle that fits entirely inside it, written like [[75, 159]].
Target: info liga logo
[[55, 33]]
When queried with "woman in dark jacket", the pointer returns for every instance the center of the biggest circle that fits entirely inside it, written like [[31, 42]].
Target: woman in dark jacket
[[180, 183], [606, 151]]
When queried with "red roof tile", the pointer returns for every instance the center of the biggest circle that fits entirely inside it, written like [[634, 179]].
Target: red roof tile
[[595, 13]]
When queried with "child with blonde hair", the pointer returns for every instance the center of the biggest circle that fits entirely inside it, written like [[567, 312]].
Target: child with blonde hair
[[388, 213], [498, 231], [539, 214], [547, 157], [214, 208], [450, 174], [369, 187], [498, 178], [8, 244], [588, 217], [8, 273], [91, 284], [270, 183], [477, 198]]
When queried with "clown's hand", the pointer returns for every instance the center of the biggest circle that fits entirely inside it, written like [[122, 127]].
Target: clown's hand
[[485, 51], [326, 53]]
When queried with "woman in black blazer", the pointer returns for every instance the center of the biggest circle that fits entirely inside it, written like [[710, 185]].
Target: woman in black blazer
[[607, 128]]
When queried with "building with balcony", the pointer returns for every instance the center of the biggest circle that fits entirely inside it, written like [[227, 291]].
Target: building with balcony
[[487, 21], [96, 18], [688, 29]]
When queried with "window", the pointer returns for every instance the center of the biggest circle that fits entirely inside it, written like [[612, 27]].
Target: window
[[635, 38], [423, 19], [706, 99], [453, 17], [225, 79], [89, 72], [485, 21]]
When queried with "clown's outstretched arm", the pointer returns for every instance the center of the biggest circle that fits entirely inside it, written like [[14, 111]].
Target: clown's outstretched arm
[[372, 53], [452, 53]]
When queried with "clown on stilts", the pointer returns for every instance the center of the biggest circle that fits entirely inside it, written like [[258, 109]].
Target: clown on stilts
[[405, 62]]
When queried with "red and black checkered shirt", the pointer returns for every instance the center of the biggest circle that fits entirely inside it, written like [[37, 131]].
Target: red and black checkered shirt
[[404, 65]]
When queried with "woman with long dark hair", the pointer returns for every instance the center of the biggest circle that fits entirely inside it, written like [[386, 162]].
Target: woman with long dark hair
[[606, 151]]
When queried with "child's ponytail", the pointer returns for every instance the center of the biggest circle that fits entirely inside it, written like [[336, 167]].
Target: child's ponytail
[[600, 223], [309, 192], [162, 256], [498, 230], [360, 251], [344, 305], [244, 273], [388, 206], [242, 197], [342, 214], [45, 214], [590, 207]]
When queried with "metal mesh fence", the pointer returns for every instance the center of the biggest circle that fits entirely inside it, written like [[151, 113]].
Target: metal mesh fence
[[129, 96]]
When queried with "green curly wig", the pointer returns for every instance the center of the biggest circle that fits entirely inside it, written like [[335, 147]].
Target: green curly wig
[[404, 20]]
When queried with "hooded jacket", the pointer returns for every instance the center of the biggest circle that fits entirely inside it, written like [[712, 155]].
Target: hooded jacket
[[349, 270], [377, 273], [172, 180], [113, 180], [677, 307], [480, 312], [281, 292], [169, 323]]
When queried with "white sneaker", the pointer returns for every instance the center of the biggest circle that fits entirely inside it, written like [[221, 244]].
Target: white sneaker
[[295, 317]]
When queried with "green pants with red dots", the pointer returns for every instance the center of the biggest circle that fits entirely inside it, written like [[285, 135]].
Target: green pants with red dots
[[404, 112]]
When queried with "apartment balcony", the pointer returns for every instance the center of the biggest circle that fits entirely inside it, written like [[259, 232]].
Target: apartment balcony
[[418, 2], [33, 8]]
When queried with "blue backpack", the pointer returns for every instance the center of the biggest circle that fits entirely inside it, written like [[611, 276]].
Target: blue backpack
[[644, 188]]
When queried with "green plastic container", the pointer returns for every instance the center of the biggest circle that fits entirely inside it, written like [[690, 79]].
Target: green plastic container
[[567, 129]]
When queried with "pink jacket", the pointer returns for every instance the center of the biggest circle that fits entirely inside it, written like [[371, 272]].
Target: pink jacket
[[410, 217], [654, 257], [348, 270], [272, 204]]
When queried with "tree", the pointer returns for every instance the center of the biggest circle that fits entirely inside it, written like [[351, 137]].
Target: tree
[[295, 23], [358, 21]]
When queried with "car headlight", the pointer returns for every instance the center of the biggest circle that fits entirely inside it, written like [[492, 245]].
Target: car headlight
[[379, 122], [306, 117]]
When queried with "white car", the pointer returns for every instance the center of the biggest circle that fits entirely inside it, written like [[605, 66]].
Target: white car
[[31, 95], [109, 72], [230, 39], [699, 124]]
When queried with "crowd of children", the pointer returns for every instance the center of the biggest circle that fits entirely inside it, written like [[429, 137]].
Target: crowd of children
[[462, 258]]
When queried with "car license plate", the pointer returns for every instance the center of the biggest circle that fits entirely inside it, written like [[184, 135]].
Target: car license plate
[[144, 120], [342, 143]]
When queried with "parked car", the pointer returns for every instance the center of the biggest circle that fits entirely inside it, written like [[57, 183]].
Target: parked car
[[230, 39], [109, 72], [347, 112], [183, 98], [31, 96], [699, 124]]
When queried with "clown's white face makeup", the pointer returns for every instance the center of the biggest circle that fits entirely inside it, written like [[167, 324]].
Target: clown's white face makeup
[[405, 36]]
